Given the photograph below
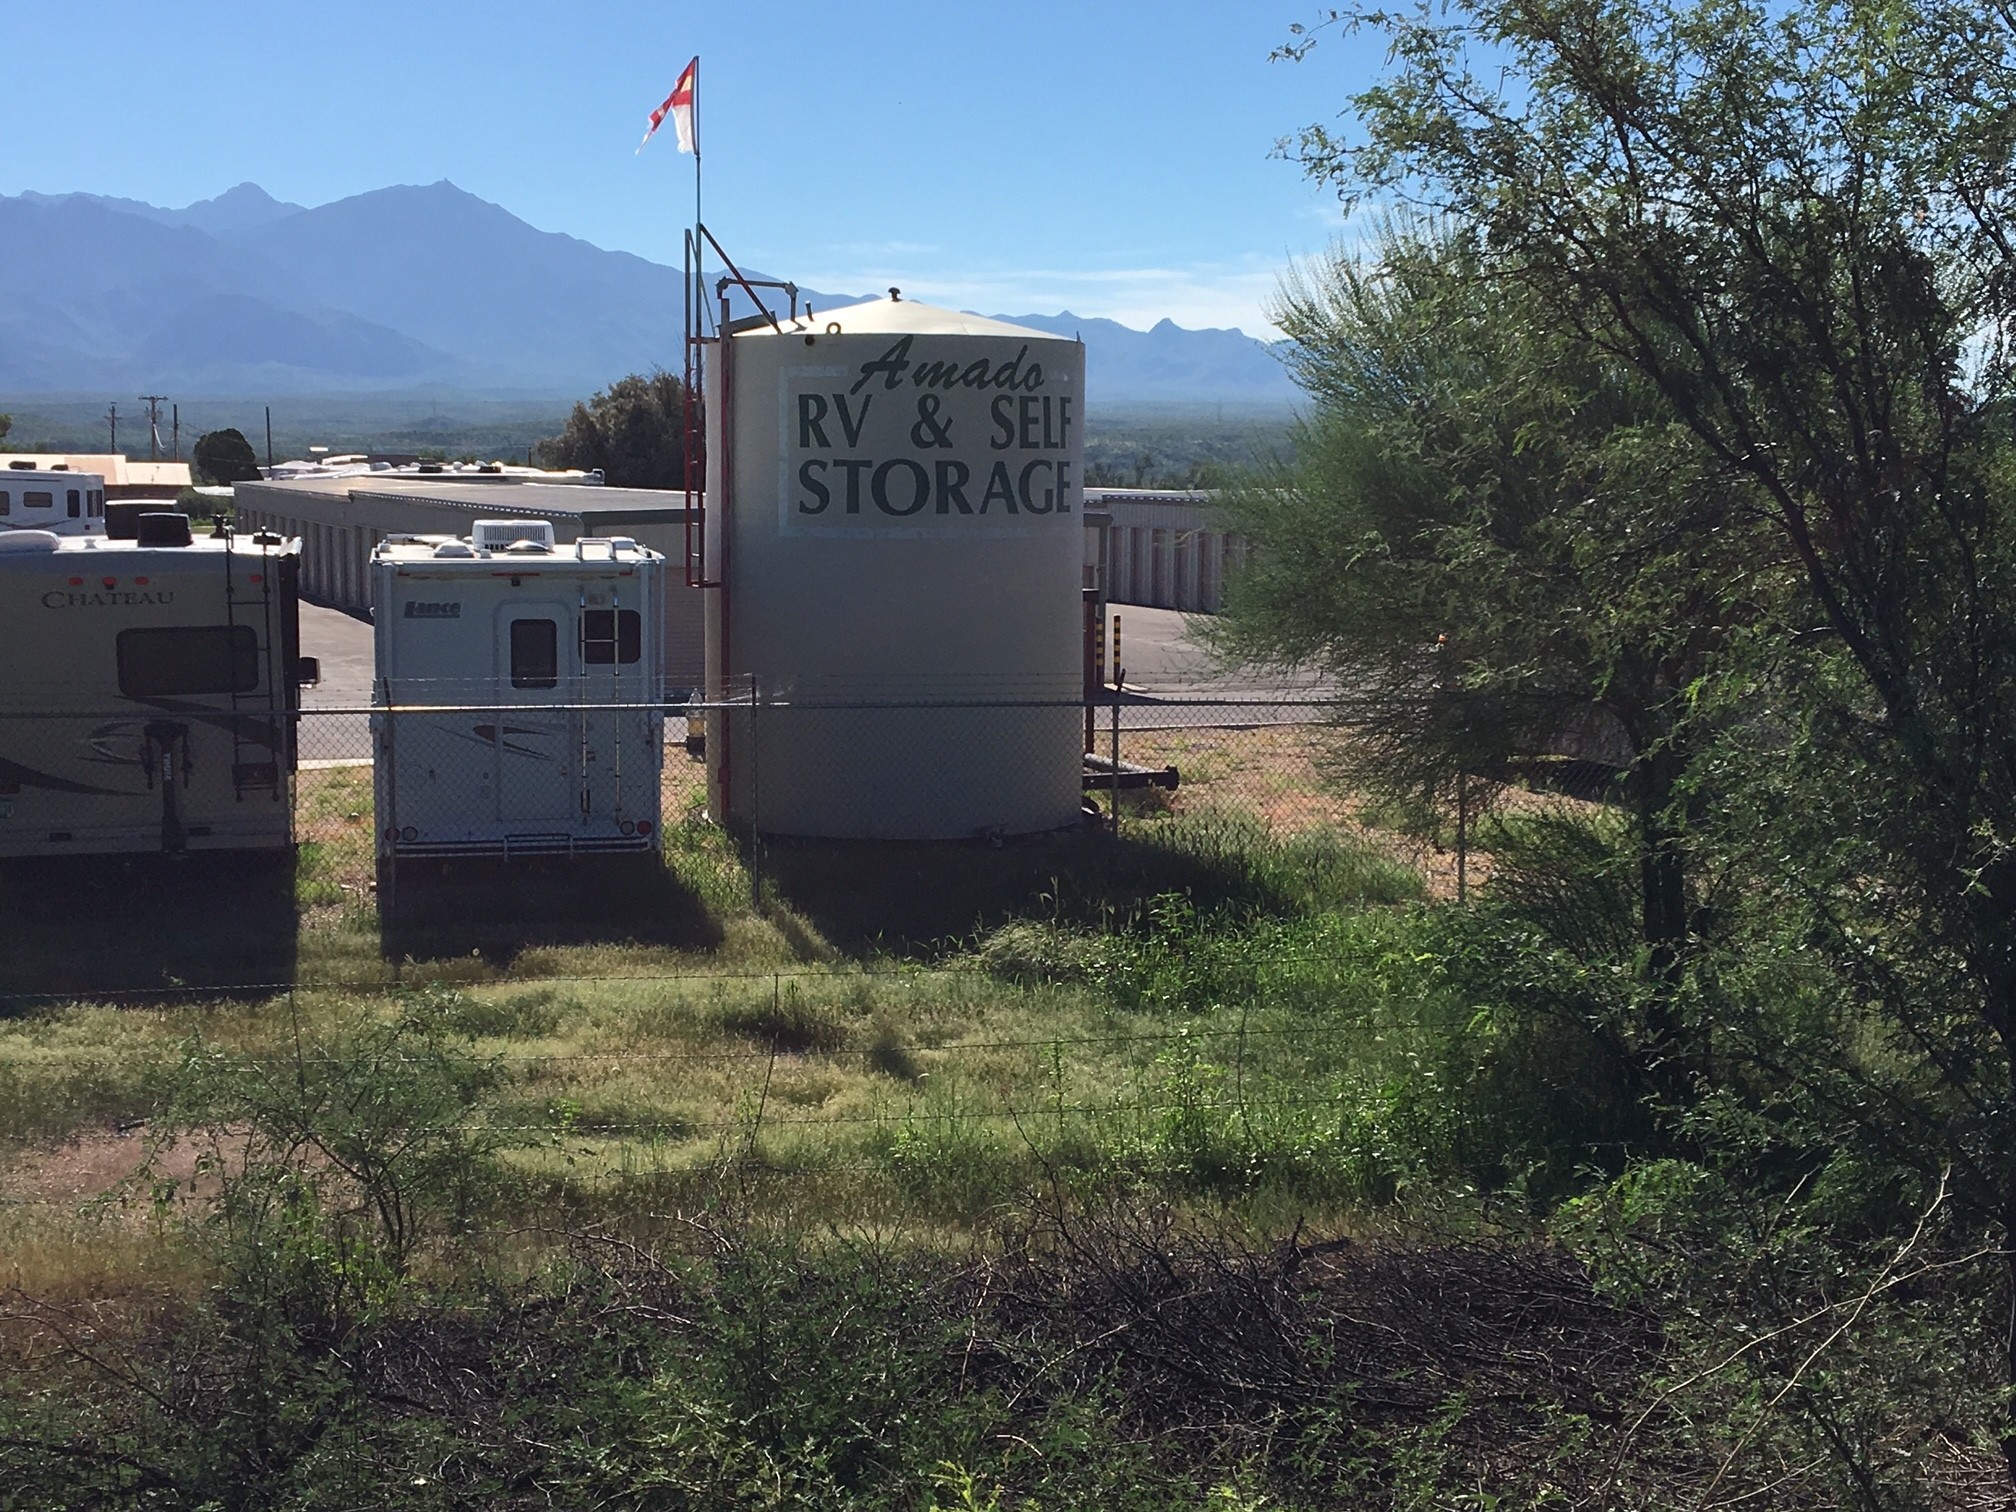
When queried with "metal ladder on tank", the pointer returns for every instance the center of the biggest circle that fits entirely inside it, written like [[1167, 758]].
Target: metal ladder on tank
[[262, 775]]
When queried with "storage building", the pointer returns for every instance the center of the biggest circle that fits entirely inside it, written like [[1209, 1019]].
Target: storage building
[[342, 518]]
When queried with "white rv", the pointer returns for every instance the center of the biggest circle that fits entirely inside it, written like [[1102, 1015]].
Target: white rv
[[148, 692], [516, 702], [54, 499]]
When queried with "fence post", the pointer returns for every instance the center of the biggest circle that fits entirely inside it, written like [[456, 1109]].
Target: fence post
[[1119, 679], [1462, 837], [382, 779], [755, 805]]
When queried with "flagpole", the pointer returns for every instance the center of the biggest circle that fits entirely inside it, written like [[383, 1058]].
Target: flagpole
[[700, 263]]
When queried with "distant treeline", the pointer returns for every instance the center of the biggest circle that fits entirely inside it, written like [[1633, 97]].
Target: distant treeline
[[1135, 448]]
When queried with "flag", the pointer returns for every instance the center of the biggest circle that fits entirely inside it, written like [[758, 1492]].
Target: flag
[[678, 105]]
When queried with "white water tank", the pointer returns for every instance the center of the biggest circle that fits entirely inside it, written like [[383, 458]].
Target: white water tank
[[896, 532]]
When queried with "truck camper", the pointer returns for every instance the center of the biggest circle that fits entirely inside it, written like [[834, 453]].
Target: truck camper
[[516, 702], [54, 499], [149, 691]]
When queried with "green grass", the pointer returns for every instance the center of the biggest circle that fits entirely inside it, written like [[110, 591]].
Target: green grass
[[930, 1025]]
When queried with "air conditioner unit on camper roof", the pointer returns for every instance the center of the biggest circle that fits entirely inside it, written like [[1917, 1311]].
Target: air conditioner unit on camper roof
[[501, 535]]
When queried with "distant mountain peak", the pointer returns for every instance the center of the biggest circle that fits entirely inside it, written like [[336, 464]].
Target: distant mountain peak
[[238, 208]]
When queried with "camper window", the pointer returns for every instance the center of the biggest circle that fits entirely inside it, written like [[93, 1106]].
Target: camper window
[[535, 653], [188, 659], [6, 504], [609, 636], [76, 502], [38, 500]]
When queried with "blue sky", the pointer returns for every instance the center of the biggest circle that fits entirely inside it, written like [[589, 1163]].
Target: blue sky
[[1113, 159]]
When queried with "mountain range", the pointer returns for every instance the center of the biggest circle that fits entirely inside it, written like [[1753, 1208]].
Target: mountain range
[[418, 287]]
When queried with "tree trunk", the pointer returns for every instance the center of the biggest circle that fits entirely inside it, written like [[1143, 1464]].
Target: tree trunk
[[1672, 1054]]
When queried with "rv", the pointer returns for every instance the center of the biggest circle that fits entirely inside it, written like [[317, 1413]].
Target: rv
[[54, 499], [516, 701], [149, 691]]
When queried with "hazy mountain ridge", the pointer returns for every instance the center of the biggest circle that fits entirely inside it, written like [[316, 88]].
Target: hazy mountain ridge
[[416, 286]]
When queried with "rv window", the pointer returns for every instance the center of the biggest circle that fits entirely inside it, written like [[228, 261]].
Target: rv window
[[76, 503], [6, 505], [38, 500], [188, 659], [611, 635], [535, 653]]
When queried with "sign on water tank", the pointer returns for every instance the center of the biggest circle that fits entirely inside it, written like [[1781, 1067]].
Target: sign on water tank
[[932, 435]]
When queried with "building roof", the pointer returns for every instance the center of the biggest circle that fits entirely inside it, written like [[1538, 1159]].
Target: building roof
[[896, 317], [584, 501], [117, 471]]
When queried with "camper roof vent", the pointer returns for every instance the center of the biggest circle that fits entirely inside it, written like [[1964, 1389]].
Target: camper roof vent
[[507, 535], [22, 466], [162, 528], [454, 549], [27, 540]]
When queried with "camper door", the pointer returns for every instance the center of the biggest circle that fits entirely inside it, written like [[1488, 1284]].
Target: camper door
[[620, 758], [530, 738]]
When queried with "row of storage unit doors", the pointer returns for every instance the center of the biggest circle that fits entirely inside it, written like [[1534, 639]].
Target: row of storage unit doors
[[1166, 567]]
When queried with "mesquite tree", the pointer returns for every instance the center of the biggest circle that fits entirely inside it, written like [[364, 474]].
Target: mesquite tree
[[1798, 226]]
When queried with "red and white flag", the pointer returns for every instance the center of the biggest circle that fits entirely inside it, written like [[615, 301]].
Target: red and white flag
[[679, 106]]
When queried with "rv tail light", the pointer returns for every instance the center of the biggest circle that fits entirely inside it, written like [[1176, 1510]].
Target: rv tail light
[[110, 582], [139, 582], [76, 582], [627, 827], [643, 826], [256, 578], [409, 833], [391, 832]]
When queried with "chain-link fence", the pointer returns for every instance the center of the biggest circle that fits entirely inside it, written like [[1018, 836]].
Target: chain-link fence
[[484, 779], [440, 779]]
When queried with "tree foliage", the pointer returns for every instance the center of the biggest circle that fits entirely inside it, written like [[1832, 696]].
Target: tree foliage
[[1498, 539], [1797, 226], [634, 431], [225, 456]]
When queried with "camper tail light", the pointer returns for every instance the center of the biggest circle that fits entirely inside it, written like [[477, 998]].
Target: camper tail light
[[409, 833], [643, 826], [627, 827]]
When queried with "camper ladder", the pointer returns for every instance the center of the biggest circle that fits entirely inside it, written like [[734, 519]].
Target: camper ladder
[[253, 776]]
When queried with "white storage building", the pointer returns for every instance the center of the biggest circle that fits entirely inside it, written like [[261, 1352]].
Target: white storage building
[[342, 518]]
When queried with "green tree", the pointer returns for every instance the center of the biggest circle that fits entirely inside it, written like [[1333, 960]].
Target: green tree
[[1462, 543], [1799, 226], [6, 424], [634, 431], [225, 456]]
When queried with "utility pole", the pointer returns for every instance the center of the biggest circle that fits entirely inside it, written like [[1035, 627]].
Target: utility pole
[[175, 410], [112, 419], [153, 403]]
